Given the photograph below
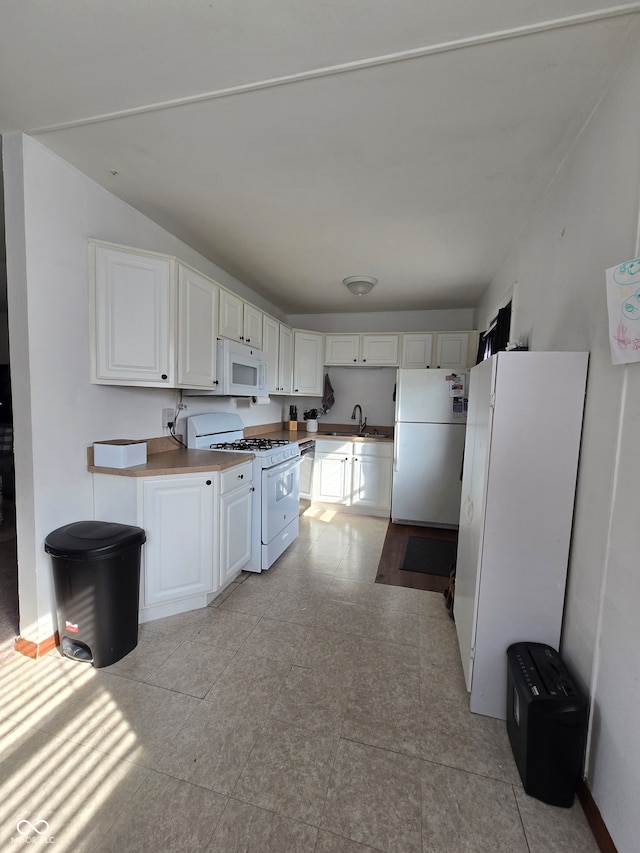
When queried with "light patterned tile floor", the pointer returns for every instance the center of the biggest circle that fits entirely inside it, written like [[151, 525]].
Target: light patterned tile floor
[[307, 709]]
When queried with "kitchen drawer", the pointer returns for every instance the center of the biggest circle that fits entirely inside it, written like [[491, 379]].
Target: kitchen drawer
[[334, 445], [235, 477], [381, 449]]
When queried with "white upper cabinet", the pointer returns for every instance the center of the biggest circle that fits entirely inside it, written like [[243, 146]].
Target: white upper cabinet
[[452, 351], [231, 319], [341, 349], [366, 349], [133, 302], [307, 363], [416, 350], [277, 344], [239, 320], [271, 348], [285, 360], [197, 329], [252, 325], [379, 350], [446, 350]]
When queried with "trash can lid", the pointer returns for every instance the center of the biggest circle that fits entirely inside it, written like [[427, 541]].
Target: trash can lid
[[85, 539]]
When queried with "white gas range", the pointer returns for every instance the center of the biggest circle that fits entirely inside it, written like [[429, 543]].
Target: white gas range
[[276, 480]]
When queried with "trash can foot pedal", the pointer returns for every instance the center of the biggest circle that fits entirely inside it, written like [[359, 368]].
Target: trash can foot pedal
[[76, 650]]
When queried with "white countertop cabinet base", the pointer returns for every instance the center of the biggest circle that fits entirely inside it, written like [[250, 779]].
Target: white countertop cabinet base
[[197, 539]]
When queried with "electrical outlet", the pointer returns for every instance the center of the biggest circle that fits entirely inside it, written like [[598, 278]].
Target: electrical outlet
[[167, 417]]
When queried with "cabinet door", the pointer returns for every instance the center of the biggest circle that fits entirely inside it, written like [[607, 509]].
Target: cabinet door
[[380, 350], [452, 351], [416, 350], [371, 482], [307, 363], [285, 360], [178, 519], [231, 323], [341, 349], [371, 478], [252, 325], [197, 329], [235, 533], [133, 301], [332, 478], [271, 348]]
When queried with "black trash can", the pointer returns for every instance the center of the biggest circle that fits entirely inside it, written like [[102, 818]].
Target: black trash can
[[546, 722], [96, 575]]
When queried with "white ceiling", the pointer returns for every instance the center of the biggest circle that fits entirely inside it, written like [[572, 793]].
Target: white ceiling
[[296, 142]]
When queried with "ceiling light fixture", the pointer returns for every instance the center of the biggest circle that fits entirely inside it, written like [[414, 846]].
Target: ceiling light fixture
[[360, 285]]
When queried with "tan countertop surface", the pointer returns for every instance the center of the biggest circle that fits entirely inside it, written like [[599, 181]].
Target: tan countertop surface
[[165, 457]]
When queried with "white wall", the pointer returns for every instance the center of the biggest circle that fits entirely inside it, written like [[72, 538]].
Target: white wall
[[51, 211], [586, 223], [454, 320]]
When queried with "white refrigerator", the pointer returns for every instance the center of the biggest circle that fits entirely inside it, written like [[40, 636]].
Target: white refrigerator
[[428, 447], [518, 489]]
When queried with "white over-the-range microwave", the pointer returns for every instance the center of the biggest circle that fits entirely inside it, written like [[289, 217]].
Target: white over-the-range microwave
[[241, 371]]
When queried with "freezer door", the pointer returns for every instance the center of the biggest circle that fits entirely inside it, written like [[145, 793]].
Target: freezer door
[[426, 478], [423, 396]]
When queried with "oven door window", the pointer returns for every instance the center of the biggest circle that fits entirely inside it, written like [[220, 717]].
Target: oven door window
[[280, 497]]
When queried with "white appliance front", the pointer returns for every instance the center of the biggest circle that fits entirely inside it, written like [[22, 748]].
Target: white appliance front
[[276, 523], [424, 396], [426, 481], [241, 371]]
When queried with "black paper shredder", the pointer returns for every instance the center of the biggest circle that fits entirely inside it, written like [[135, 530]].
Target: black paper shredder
[[96, 576], [546, 723]]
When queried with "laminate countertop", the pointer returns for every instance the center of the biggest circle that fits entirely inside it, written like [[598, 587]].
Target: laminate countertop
[[165, 457]]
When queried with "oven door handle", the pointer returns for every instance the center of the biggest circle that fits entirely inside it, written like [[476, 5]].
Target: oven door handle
[[282, 467]]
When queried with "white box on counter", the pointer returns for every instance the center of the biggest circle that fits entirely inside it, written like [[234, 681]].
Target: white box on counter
[[119, 453]]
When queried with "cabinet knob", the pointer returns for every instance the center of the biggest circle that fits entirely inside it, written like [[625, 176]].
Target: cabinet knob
[[241, 476], [253, 488], [364, 359], [208, 482], [164, 375], [215, 381], [354, 360]]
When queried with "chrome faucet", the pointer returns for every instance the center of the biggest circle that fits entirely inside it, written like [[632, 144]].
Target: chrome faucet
[[362, 422]]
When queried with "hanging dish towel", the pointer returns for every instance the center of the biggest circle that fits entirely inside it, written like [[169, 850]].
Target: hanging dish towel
[[327, 398]]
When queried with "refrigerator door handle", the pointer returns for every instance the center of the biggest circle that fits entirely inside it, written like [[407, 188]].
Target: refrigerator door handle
[[468, 509]]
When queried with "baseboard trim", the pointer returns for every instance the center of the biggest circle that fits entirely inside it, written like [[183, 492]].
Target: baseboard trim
[[36, 650], [594, 819]]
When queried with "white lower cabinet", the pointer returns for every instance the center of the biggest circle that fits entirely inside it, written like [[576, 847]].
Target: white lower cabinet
[[179, 518], [186, 521], [355, 475], [236, 490], [370, 480]]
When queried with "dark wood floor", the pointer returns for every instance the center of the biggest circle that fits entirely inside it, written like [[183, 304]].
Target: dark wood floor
[[395, 542]]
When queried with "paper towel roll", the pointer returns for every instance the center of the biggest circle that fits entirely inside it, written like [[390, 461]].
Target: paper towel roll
[[261, 401]]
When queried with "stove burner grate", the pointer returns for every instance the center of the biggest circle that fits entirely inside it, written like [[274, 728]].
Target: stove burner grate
[[251, 444]]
